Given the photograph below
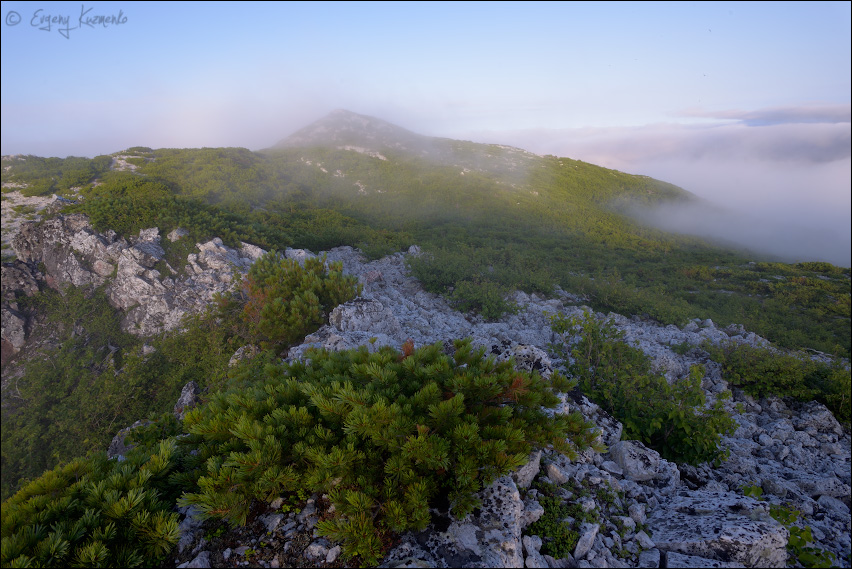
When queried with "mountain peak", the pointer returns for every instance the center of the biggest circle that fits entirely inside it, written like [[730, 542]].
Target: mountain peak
[[342, 127]]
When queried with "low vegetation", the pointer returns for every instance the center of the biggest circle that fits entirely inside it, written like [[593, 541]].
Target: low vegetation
[[94, 512], [281, 301], [509, 222], [98, 380], [39, 176], [70, 399], [673, 419], [761, 373], [384, 434]]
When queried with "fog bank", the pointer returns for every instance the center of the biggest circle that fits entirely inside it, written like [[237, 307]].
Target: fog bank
[[772, 187]]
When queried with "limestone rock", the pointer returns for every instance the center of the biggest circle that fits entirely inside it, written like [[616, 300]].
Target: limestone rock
[[815, 417], [364, 314], [675, 559], [202, 561], [189, 527], [18, 279], [587, 539], [188, 399], [610, 427], [246, 352], [73, 253], [529, 358], [721, 526], [489, 538], [177, 234], [638, 462], [14, 326], [649, 559], [524, 476], [532, 512]]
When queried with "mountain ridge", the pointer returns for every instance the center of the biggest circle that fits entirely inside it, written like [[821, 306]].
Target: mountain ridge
[[491, 218], [499, 248]]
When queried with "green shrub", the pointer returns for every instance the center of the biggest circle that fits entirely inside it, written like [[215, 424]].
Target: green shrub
[[70, 400], [558, 537], [672, 419], [286, 300], [761, 373], [44, 176], [383, 434], [93, 512], [797, 545], [484, 297]]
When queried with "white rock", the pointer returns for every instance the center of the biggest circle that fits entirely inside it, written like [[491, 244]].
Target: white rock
[[588, 532]]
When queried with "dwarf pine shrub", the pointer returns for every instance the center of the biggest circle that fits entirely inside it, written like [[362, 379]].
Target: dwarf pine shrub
[[383, 434], [282, 300], [761, 373], [93, 512], [672, 419]]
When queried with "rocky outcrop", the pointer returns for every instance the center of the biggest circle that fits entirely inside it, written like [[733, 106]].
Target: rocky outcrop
[[489, 538], [720, 525], [797, 454], [187, 400], [153, 295], [118, 447]]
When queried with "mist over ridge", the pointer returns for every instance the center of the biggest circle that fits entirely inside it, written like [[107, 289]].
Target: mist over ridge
[[771, 182], [775, 182]]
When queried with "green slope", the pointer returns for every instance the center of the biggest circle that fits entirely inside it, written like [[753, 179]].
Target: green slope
[[491, 217]]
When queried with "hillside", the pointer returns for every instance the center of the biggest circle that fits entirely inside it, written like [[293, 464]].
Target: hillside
[[147, 283], [491, 218]]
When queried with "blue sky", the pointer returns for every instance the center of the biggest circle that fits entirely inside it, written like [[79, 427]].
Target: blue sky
[[743, 103]]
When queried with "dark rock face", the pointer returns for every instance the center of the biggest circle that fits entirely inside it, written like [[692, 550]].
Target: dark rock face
[[18, 280]]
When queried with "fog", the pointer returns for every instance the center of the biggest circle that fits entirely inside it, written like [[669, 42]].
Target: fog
[[808, 236], [776, 182]]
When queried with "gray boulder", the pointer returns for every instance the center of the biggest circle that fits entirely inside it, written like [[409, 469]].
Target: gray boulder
[[722, 526], [188, 399], [638, 462], [365, 315]]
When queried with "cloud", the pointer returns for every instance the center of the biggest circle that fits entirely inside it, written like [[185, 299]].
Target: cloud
[[618, 147], [786, 238], [779, 115], [780, 189]]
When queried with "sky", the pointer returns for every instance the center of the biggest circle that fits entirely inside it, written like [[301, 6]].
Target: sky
[[746, 105]]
